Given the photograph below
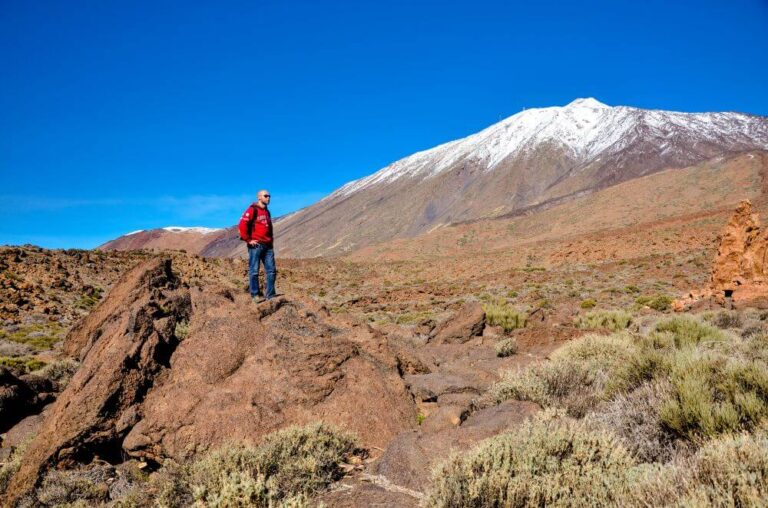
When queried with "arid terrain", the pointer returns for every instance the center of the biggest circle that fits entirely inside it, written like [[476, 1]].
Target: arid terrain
[[129, 375], [596, 337]]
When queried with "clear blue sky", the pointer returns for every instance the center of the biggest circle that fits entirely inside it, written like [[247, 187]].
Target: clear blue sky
[[125, 115]]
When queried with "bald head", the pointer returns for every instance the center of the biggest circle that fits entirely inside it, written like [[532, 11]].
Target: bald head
[[263, 198]]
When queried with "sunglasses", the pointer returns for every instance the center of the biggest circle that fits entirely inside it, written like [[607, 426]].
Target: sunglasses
[[265, 196]]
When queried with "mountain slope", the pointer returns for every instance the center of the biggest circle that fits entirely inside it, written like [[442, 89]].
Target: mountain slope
[[533, 159], [672, 211]]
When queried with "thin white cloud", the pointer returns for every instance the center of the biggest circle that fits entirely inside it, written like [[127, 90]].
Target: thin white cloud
[[193, 207]]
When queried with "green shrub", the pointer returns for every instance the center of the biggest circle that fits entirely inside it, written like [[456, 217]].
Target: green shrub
[[78, 487], [547, 462], [575, 378], [613, 320], [713, 394], [182, 330], [288, 466], [589, 303], [23, 364], [497, 314], [659, 302], [688, 331], [38, 336], [727, 472], [506, 347], [732, 471], [634, 418]]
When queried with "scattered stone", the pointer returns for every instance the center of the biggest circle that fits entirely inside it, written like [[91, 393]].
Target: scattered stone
[[468, 322]]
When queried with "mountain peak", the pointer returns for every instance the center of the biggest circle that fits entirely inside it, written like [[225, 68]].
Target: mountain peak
[[587, 102]]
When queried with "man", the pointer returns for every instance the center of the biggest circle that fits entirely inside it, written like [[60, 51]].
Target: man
[[256, 230]]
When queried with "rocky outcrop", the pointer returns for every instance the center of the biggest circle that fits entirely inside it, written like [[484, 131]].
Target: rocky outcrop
[[242, 373], [122, 357], [468, 322], [169, 371], [739, 274]]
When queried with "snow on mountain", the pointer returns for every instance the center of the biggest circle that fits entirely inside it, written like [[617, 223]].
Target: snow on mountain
[[181, 229], [586, 127], [531, 161]]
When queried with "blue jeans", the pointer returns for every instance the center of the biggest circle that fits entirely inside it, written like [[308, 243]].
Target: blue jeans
[[266, 255]]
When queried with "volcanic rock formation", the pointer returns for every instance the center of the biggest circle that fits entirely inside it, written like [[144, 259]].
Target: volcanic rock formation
[[739, 273], [169, 371]]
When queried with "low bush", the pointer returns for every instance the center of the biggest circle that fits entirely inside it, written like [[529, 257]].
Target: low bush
[[22, 364], [59, 372], [732, 471], [613, 320], [726, 319], [634, 419], [288, 466], [548, 462], [509, 318], [588, 304], [688, 331], [553, 461], [84, 487], [726, 472], [38, 336], [506, 347], [574, 378], [658, 302], [181, 331], [714, 394]]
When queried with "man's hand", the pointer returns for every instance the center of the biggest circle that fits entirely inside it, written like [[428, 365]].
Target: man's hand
[[253, 243]]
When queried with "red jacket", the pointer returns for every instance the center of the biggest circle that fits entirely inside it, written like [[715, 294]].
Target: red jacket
[[256, 224]]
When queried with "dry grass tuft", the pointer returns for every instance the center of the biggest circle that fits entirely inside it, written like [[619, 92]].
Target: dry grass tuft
[[509, 318], [613, 320], [574, 378], [506, 347], [548, 462], [284, 470]]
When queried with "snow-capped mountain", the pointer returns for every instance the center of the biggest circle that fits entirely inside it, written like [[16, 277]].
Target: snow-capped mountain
[[532, 160], [585, 129]]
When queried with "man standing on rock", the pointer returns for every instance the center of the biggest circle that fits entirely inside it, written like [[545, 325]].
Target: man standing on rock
[[256, 230]]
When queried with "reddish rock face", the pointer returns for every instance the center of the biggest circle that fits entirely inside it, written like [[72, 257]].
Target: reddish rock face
[[739, 272], [245, 371], [741, 257], [467, 323], [125, 354], [169, 371]]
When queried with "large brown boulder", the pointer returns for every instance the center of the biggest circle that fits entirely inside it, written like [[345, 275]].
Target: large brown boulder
[[169, 372], [468, 322], [122, 357], [241, 374]]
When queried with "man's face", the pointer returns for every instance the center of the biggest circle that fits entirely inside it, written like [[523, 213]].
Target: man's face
[[264, 197]]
